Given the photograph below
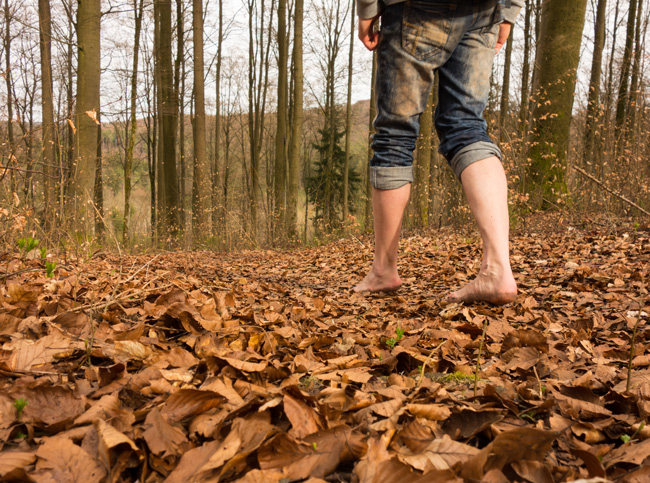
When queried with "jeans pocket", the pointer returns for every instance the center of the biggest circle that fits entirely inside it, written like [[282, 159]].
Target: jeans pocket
[[489, 35], [426, 25]]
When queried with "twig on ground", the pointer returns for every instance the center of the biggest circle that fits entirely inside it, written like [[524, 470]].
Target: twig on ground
[[424, 364], [636, 326], [610, 191], [539, 382], [478, 361], [362, 244]]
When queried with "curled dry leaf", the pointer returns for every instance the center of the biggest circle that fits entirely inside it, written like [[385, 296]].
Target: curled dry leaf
[[59, 459]]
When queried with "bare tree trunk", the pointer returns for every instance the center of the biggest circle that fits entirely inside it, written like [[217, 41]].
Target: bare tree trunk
[[371, 129], [98, 196], [280, 183], [10, 89], [168, 203], [201, 211], [525, 73], [623, 88], [47, 105], [593, 104], [218, 203], [179, 96], [348, 119], [557, 59], [296, 128], [420, 200], [634, 81], [86, 117], [128, 165]]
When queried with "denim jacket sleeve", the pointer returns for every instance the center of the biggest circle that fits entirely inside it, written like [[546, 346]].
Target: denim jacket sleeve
[[371, 8], [511, 9], [367, 8]]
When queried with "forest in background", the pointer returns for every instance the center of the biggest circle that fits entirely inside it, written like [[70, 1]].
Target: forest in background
[[233, 125]]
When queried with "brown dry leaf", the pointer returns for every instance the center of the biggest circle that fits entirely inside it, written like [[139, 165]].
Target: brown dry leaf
[[533, 471], [226, 457], [108, 408], [523, 358], [246, 366], [439, 454], [633, 453], [27, 354], [514, 445], [53, 408], [319, 454], [110, 439], [189, 402], [60, 460], [434, 412], [13, 464], [127, 350], [468, 422], [162, 438], [304, 420], [379, 466]]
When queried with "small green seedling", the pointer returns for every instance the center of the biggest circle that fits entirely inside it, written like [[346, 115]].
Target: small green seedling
[[27, 244], [20, 405], [21, 436], [314, 446], [43, 252], [399, 333], [626, 438], [49, 268]]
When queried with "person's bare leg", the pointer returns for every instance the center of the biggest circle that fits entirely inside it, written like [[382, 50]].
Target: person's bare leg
[[388, 209], [486, 189]]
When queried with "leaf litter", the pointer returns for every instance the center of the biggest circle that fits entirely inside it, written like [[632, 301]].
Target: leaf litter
[[263, 366]]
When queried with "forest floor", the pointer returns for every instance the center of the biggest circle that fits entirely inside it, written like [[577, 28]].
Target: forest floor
[[262, 366]]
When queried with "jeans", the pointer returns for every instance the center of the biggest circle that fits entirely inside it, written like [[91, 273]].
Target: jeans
[[417, 38]]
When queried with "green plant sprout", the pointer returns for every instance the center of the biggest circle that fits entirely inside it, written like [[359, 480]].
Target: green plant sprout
[[399, 334], [20, 405], [27, 244], [626, 438], [49, 268]]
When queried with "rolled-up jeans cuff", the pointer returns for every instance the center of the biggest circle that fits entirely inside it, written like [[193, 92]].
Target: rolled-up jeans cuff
[[473, 153], [390, 177]]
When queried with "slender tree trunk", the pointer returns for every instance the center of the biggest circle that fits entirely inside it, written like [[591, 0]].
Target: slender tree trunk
[[10, 102], [217, 179], [623, 88], [593, 103], [98, 196], [201, 211], [67, 169], [423, 165], [86, 117], [168, 203], [280, 178], [525, 73], [634, 81], [371, 130], [47, 105], [133, 123], [296, 128], [558, 58], [179, 96], [348, 119]]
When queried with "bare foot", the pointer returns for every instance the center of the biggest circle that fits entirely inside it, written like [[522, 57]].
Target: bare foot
[[378, 282], [496, 290]]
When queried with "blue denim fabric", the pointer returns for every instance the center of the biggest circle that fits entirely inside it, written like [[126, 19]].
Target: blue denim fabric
[[418, 37]]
